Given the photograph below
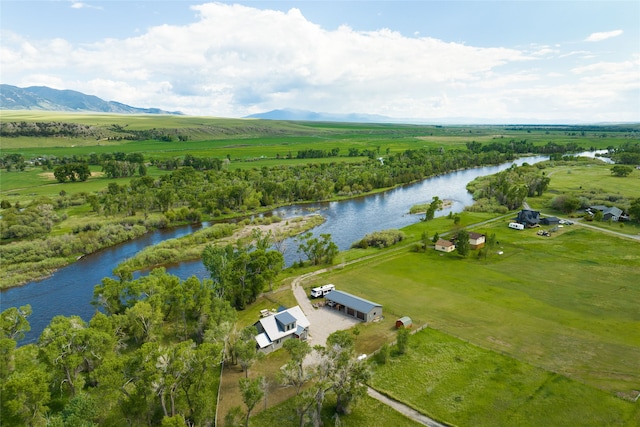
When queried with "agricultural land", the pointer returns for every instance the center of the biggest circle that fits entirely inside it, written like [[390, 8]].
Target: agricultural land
[[530, 330]]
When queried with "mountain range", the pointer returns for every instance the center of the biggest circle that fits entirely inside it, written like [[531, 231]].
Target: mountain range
[[47, 99]]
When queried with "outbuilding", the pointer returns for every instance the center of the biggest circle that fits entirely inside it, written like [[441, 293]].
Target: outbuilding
[[404, 322], [354, 306], [476, 240], [445, 246]]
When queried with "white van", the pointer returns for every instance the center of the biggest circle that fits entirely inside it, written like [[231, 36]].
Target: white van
[[516, 226], [321, 291]]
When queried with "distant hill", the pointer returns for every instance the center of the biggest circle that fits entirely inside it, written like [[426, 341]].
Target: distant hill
[[303, 115], [48, 99]]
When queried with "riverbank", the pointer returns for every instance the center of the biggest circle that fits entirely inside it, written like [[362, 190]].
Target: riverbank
[[190, 247]]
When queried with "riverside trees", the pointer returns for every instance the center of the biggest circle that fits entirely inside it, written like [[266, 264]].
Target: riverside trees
[[102, 372]]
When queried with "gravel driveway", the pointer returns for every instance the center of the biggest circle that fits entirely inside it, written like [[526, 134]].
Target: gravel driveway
[[324, 320]]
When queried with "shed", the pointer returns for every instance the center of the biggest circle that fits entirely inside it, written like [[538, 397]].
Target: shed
[[404, 322], [550, 220], [352, 305]]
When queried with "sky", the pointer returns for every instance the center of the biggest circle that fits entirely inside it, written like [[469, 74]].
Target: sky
[[503, 61]]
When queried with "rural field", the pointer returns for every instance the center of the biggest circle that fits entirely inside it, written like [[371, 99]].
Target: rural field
[[521, 336], [563, 308]]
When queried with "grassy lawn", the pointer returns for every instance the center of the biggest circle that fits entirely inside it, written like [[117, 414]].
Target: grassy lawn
[[566, 303], [367, 412], [460, 383]]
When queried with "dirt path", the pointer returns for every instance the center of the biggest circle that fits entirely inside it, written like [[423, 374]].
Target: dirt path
[[404, 409]]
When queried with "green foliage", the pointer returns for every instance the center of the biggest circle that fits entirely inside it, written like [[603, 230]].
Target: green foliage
[[380, 239], [252, 391], [462, 243], [565, 203], [634, 209], [318, 250], [620, 170], [435, 205], [240, 274], [510, 187], [72, 172], [14, 323], [36, 219], [402, 340]]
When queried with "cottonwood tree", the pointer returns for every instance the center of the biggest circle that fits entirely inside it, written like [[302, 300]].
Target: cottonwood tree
[[252, 391], [70, 348], [318, 250], [14, 323], [294, 373]]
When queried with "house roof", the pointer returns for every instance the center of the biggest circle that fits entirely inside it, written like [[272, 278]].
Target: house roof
[[285, 318], [475, 236], [528, 216], [613, 210], [349, 300], [446, 243], [273, 325], [405, 320]]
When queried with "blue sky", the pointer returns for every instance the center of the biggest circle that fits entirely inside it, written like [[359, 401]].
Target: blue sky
[[506, 61]]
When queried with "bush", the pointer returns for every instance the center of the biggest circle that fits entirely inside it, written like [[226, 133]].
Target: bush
[[380, 239]]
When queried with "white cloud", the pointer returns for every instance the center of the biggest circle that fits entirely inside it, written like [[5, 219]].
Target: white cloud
[[235, 60], [597, 37], [82, 5]]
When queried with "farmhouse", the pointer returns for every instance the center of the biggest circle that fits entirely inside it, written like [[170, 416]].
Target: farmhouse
[[476, 240], [273, 330], [610, 213], [445, 246], [352, 305], [528, 218]]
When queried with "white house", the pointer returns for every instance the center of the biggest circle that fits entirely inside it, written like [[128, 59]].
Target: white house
[[445, 246], [476, 240], [273, 330]]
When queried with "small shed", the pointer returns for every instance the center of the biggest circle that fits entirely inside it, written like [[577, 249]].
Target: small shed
[[404, 322]]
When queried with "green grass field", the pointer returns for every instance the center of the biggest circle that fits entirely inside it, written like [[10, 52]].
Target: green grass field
[[567, 303], [462, 384]]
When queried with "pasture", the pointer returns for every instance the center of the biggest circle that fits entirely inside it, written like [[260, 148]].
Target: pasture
[[462, 384], [566, 303]]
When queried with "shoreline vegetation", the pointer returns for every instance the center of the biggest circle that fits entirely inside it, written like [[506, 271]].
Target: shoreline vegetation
[[423, 207], [190, 247]]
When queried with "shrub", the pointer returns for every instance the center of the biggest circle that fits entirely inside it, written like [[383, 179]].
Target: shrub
[[380, 239]]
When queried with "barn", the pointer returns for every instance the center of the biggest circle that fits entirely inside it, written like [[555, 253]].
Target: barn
[[354, 306]]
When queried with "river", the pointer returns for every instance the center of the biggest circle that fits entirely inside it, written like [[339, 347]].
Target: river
[[69, 290]]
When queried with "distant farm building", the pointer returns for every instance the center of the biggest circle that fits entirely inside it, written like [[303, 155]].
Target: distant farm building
[[274, 329], [550, 220], [404, 322], [445, 246], [476, 240], [354, 306], [528, 218]]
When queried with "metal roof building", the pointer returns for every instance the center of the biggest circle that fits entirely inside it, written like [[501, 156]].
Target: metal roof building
[[275, 328], [354, 306]]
